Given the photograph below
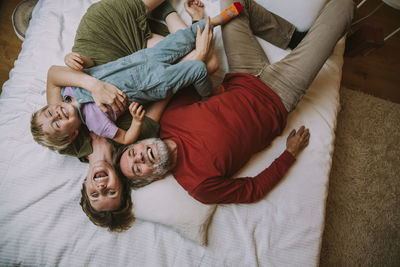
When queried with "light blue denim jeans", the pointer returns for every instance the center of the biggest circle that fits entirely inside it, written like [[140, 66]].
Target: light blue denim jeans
[[150, 74]]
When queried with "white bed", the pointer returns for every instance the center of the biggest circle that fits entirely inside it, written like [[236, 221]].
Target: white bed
[[41, 221]]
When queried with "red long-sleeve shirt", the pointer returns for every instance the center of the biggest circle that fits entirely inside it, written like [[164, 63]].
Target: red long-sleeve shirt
[[215, 138]]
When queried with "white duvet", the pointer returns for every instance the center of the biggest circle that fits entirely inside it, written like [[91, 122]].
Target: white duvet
[[41, 221]]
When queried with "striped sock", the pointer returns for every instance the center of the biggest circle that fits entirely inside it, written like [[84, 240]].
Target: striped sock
[[230, 12]]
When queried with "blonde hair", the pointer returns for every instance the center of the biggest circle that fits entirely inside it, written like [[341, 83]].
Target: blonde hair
[[52, 142]]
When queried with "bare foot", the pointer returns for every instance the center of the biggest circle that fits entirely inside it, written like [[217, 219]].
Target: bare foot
[[195, 8]]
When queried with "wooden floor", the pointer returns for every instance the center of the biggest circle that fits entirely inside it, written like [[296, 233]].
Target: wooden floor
[[10, 45], [377, 73]]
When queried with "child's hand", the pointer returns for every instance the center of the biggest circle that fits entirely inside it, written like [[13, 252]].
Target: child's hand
[[132, 134], [137, 111], [74, 61]]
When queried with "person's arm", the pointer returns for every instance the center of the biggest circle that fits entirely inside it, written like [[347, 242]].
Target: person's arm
[[53, 87], [174, 22], [103, 93], [102, 150], [225, 190], [132, 134], [203, 42], [156, 110], [252, 189]]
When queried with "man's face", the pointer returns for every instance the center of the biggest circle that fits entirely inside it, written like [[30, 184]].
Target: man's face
[[103, 187], [61, 119], [145, 159]]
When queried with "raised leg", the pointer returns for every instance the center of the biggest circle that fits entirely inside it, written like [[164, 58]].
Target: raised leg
[[242, 48], [267, 25], [291, 77]]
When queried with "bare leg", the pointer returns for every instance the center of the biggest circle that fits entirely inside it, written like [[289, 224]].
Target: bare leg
[[174, 22], [195, 8]]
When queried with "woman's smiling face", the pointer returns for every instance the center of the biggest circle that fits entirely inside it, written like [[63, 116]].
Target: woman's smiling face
[[103, 187]]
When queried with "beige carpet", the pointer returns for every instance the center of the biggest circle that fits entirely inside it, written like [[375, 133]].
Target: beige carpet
[[363, 207]]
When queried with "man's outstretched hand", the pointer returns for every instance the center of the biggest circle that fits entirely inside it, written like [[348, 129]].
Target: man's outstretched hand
[[297, 141]]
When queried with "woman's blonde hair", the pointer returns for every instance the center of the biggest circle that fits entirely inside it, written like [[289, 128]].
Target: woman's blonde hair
[[41, 137]]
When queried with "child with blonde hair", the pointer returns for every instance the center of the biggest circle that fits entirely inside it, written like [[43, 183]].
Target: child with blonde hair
[[144, 76]]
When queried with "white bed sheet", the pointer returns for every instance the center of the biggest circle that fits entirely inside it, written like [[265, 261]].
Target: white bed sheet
[[41, 221]]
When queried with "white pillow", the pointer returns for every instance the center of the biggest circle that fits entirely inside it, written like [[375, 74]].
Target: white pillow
[[166, 202]]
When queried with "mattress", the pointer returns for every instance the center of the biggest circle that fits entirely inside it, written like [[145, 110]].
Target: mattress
[[41, 221]]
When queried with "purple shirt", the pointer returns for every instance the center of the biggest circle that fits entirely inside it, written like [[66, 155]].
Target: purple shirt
[[102, 124]]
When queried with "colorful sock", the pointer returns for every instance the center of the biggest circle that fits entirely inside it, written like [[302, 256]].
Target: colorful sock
[[230, 12]]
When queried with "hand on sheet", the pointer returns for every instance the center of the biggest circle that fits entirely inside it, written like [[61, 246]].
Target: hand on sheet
[[297, 141], [195, 9], [203, 41], [137, 111], [105, 93]]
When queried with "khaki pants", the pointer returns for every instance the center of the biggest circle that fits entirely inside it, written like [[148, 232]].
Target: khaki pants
[[290, 77]]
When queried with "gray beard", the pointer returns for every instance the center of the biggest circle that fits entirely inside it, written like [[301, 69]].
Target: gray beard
[[160, 168]]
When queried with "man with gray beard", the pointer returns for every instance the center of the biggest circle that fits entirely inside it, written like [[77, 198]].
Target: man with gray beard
[[158, 168], [209, 141]]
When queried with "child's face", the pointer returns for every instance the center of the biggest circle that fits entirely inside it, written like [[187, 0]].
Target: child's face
[[60, 119]]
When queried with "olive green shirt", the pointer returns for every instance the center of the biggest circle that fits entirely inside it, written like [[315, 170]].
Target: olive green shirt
[[111, 29]]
